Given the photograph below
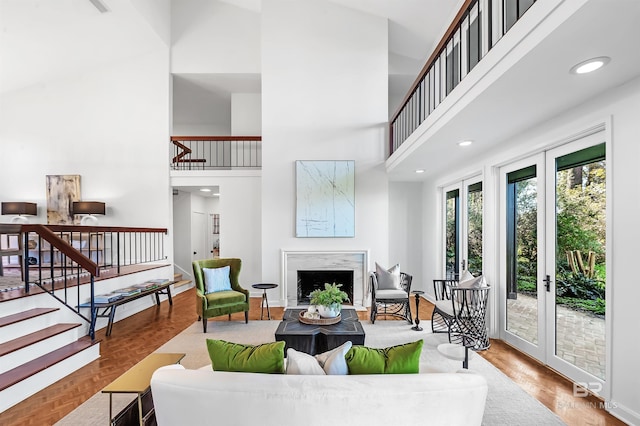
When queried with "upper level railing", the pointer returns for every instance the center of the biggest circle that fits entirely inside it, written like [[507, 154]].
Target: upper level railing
[[60, 258], [476, 28], [216, 152]]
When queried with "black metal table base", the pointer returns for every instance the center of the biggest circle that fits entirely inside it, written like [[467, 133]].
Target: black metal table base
[[417, 326], [265, 301]]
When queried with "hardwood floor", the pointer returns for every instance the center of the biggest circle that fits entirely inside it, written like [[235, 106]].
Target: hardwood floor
[[137, 336]]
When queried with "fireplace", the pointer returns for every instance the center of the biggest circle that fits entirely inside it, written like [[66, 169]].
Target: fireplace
[[313, 280], [353, 261]]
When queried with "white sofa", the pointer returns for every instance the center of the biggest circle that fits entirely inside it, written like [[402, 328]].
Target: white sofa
[[206, 397]]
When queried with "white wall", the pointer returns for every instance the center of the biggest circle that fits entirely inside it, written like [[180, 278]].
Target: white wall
[[620, 106], [109, 126], [157, 14], [181, 236], [405, 230], [246, 114], [186, 129], [214, 37], [324, 97]]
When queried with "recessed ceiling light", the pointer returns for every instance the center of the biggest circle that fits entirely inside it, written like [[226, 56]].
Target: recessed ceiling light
[[205, 190], [465, 143], [420, 171], [216, 194], [590, 65]]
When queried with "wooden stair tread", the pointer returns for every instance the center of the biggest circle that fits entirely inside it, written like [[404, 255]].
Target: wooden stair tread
[[22, 316], [180, 283], [37, 336], [31, 368]]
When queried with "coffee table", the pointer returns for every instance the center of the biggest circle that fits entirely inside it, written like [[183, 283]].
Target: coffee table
[[314, 339]]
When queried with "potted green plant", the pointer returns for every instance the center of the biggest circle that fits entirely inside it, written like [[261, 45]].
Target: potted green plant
[[329, 301]]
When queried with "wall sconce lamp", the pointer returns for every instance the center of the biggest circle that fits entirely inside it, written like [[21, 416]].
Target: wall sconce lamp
[[20, 209], [88, 208]]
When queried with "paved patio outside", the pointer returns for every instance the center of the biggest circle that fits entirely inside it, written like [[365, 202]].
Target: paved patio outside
[[580, 336]]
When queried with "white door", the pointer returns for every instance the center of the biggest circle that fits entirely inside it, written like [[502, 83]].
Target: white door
[[553, 258], [199, 234]]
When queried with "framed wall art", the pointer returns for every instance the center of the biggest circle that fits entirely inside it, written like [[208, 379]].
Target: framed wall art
[[62, 191], [325, 198]]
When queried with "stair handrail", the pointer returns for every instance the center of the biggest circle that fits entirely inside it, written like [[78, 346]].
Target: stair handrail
[[134, 243], [70, 252], [46, 232], [185, 151]]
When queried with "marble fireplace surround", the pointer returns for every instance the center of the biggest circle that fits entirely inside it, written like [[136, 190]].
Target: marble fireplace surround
[[344, 260]]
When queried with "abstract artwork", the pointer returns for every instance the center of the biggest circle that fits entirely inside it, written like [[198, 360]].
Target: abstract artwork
[[62, 191], [325, 198]]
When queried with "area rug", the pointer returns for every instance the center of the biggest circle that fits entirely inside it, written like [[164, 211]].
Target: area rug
[[8, 283], [507, 403]]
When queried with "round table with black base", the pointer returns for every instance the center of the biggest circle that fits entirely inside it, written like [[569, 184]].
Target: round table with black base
[[264, 287], [417, 326]]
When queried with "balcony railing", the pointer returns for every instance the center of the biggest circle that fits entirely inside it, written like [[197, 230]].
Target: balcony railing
[[477, 27], [58, 259], [216, 152]]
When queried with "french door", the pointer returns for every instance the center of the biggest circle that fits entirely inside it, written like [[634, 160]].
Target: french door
[[463, 227], [553, 258]]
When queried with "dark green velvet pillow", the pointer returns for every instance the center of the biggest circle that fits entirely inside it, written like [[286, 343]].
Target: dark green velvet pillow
[[401, 359], [265, 358]]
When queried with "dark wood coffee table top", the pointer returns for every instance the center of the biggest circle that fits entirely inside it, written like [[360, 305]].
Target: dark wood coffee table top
[[311, 338]]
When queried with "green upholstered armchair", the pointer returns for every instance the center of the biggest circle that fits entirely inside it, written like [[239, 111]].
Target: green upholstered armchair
[[221, 302]]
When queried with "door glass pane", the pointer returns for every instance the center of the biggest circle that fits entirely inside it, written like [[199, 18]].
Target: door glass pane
[[452, 234], [522, 252], [474, 228], [580, 261]]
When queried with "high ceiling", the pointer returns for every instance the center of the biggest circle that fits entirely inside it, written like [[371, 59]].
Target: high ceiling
[[531, 90], [415, 28], [45, 40]]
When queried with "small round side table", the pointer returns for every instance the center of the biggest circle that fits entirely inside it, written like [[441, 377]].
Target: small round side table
[[264, 287], [417, 326]]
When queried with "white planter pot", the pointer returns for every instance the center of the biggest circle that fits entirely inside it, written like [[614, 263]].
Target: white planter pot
[[329, 312]]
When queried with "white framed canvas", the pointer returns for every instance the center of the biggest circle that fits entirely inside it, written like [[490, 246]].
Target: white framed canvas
[[325, 198]]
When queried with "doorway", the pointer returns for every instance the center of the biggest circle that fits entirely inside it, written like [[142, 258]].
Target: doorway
[[553, 258], [463, 205]]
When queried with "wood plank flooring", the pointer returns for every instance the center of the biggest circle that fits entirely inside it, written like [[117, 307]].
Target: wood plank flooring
[[137, 336]]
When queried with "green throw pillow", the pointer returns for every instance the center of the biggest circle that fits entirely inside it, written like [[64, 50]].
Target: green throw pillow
[[401, 359], [265, 358]]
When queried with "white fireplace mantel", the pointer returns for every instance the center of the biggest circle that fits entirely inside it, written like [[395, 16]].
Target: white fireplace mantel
[[354, 260]]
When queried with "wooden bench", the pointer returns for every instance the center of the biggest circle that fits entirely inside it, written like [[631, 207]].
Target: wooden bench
[[108, 309]]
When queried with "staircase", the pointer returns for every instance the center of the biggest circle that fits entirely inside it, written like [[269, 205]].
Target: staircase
[[39, 345], [179, 281], [42, 342]]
